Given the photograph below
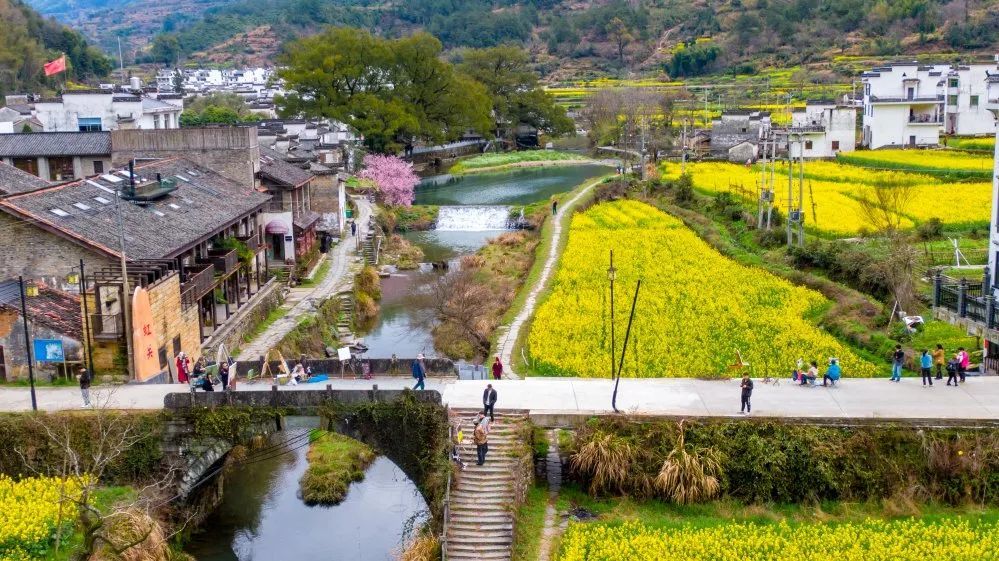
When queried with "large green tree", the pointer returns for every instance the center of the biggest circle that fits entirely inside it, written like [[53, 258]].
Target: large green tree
[[517, 96], [223, 108], [393, 91]]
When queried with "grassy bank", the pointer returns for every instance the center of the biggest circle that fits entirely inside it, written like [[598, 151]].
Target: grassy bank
[[335, 461], [529, 522], [313, 333], [491, 162]]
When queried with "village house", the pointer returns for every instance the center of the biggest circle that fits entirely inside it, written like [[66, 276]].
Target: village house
[[823, 129], [53, 315], [907, 104], [57, 156], [192, 246], [105, 110], [737, 134], [289, 221]]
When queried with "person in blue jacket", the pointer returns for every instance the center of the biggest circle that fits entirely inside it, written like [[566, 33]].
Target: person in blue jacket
[[419, 374], [833, 373], [926, 364]]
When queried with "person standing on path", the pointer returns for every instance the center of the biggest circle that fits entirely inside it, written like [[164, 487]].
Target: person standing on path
[[183, 367], [963, 360], [481, 437], [939, 359], [897, 358], [554, 206], [926, 364], [497, 368], [419, 374], [747, 392], [85, 379], [353, 228], [489, 402]]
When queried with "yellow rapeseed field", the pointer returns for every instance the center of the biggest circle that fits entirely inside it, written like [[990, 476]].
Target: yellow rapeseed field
[[945, 162], [29, 509], [832, 191], [955, 539], [695, 309]]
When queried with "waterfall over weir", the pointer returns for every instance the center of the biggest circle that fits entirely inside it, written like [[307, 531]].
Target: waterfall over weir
[[473, 218]]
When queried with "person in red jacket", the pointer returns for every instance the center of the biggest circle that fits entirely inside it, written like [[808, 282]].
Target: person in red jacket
[[183, 367], [497, 369]]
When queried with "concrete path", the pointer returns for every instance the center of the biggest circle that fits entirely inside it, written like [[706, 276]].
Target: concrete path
[[304, 300], [978, 398], [509, 333]]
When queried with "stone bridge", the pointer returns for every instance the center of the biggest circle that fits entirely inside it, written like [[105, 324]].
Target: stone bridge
[[410, 428]]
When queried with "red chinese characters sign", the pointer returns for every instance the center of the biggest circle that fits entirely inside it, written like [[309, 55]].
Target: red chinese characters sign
[[143, 337]]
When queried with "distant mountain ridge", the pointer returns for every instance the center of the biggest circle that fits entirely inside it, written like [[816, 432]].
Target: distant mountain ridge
[[567, 38]]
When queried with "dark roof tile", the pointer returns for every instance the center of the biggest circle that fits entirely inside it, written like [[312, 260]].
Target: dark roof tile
[[55, 144], [13, 180]]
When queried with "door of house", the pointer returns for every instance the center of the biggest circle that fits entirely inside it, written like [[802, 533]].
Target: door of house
[[275, 249], [912, 140], [910, 93], [3, 365]]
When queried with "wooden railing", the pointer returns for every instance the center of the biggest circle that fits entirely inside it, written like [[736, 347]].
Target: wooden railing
[[252, 242], [199, 282], [225, 261]]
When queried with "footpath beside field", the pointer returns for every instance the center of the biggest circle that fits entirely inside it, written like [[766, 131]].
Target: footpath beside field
[[861, 398]]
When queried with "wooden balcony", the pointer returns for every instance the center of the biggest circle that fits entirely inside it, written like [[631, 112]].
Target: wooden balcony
[[225, 261], [251, 241], [107, 327], [199, 281]]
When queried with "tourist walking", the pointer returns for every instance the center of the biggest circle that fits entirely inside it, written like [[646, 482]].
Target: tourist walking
[[939, 359], [183, 367], [419, 374], [353, 228], [481, 437], [489, 402], [833, 373], [897, 358], [497, 368], [85, 379], [926, 367], [747, 392], [554, 206], [963, 360]]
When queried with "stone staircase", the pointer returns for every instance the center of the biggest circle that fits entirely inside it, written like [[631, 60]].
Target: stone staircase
[[480, 524]]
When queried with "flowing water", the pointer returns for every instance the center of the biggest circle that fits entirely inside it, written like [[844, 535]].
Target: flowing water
[[473, 209], [262, 518]]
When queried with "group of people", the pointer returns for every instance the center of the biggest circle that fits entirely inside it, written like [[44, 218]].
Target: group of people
[[957, 366], [480, 435], [809, 376], [198, 376]]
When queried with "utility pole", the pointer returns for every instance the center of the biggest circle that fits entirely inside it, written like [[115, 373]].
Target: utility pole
[[683, 148], [126, 303], [611, 273], [121, 62], [27, 344]]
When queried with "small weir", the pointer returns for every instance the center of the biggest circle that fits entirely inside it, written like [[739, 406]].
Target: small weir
[[473, 218]]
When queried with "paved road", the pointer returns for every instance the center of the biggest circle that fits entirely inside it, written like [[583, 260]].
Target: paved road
[[300, 301], [860, 398], [509, 333]]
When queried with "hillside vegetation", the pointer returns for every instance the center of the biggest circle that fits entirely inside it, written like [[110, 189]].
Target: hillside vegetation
[[573, 38], [28, 41]]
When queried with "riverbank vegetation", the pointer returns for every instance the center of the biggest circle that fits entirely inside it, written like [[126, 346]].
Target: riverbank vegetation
[[313, 333], [494, 161], [469, 303], [335, 461], [407, 219], [367, 293], [739, 310], [401, 253]]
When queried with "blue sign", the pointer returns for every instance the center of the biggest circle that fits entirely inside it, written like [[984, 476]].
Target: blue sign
[[48, 350]]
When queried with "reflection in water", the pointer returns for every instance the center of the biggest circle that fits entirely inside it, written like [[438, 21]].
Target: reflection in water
[[515, 187], [261, 517]]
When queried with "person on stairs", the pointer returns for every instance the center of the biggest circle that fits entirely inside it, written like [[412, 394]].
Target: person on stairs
[[481, 437], [489, 402]]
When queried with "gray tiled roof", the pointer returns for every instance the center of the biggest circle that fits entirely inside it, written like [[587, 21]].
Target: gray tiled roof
[[274, 167], [55, 144], [203, 204], [13, 180]]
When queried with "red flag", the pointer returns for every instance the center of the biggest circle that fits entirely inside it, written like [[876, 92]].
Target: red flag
[[56, 66]]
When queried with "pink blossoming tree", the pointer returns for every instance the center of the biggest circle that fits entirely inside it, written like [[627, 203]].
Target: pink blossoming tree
[[393, 177]]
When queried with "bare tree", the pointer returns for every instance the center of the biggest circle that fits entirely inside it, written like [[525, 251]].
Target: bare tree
[[634, 119], [87, 456], [461, 303], [883, 206]]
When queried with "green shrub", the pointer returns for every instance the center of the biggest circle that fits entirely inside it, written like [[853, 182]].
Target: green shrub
[[335, 461]]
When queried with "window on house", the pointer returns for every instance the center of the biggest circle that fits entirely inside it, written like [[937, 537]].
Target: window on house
[[176, 346], [808, 145], [974, 101], [29, 165], [88, 124], [60, 168], [952, 83], [98, 166], [952, 100], [156, 121], [835, 145], [867, 89]]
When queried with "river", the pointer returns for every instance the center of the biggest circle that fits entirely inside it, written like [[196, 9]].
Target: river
[[262, 518], [473, 209]]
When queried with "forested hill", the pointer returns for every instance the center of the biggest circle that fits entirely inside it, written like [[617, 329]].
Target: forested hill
[[28, 41], [572, 38]]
